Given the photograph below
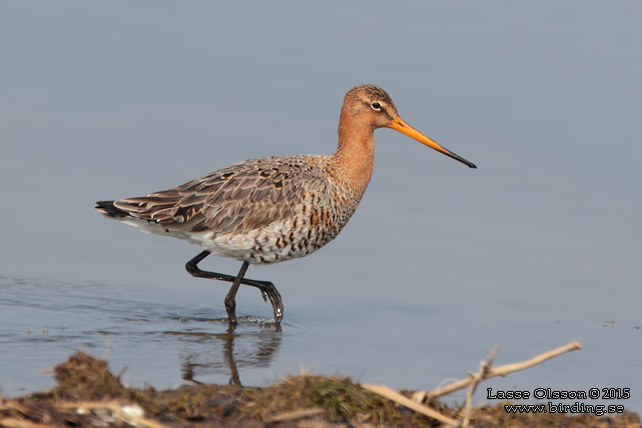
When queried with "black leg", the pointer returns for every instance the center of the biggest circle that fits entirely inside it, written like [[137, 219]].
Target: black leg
[[268, 290], [230, 302]]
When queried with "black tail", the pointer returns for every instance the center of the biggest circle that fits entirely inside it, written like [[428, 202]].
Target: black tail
[[109, 209]]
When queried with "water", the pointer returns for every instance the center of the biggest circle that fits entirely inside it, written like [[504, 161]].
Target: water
[[541, 246], [171, 340]]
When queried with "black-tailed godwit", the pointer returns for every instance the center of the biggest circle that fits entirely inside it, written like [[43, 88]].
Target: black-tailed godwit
[[273, 209]]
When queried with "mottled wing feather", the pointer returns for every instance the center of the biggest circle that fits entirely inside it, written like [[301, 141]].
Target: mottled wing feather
[[235, 199]]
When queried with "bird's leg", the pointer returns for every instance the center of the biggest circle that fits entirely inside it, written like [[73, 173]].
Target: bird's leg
[[230, 303], [267, 288]]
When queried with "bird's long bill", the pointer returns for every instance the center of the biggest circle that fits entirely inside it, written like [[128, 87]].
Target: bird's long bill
[[398, 124]]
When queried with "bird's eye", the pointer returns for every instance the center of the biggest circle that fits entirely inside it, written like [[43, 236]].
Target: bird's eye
[[375, 106]]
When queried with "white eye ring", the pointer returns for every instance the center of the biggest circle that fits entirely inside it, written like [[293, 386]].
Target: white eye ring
[[376, 106]]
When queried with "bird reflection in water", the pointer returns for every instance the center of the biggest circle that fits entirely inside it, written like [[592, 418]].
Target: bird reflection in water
[[226, 353]]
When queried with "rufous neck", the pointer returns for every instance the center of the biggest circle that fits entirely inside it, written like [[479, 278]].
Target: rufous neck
[[354, 157]]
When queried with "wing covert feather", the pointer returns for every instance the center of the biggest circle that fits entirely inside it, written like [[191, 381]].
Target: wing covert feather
[[235, 199]]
